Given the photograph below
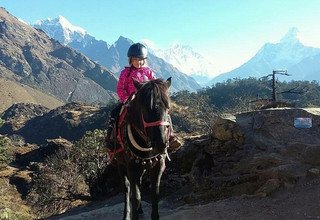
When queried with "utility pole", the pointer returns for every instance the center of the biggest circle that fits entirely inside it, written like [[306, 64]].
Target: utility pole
[[274, 72]]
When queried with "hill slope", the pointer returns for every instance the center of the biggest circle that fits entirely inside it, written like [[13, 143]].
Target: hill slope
[[29, 56], [14, 92]]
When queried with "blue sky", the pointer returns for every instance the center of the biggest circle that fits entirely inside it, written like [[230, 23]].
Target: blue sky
[[227, 32]]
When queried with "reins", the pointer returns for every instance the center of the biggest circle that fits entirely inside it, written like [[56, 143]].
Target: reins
[[143, 133], [154, 123]]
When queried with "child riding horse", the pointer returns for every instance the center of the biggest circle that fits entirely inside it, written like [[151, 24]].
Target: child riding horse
[[144, 138]]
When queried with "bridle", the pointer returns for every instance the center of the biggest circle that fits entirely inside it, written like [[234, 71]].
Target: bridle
[[143, 132], [154, 123]]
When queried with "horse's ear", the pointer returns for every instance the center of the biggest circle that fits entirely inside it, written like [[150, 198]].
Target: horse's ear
[[168, 82], [136, 84]]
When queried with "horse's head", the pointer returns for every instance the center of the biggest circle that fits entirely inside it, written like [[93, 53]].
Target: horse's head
[[152, 104]]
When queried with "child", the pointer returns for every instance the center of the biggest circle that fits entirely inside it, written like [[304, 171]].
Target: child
[[137, 56]]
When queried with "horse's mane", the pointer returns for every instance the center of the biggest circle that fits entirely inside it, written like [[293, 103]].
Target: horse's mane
[[154, 93]]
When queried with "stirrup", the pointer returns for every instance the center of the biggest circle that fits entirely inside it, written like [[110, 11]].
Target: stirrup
[[174, 143]]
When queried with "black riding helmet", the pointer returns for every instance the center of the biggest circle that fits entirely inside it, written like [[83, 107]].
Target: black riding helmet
[[138, 50]]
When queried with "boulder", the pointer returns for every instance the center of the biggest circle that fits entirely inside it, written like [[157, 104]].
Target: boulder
[[277, 126], [254, 153]]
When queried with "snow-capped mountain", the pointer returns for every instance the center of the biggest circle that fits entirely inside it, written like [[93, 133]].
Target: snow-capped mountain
[[61, 29], [185, 59], [111, 56], [286, 54], [117, 56]]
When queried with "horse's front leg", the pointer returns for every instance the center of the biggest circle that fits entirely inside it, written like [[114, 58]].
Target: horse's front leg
[[126, 187], [135, 173], [156, 174]]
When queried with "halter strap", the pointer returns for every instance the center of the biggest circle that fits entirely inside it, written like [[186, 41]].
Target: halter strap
[[154, 123], [133, 141]]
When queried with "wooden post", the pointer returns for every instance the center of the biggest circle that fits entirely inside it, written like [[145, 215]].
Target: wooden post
[[274, 72], [273, 86]]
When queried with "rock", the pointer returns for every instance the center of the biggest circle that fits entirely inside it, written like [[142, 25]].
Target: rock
[[312, 154], [255, 153], [70, 121], [41, 153], [313, 172], [226, 130], [22, 180], [258, 121], [18, 114], [269, 187], [276, 126]]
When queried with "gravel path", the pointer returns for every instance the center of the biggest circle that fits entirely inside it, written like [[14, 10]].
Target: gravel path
[[297, 202]]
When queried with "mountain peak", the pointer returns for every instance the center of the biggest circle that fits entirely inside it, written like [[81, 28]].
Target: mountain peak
[[63, 20], [67, 31], [178, 46], [183, 57], [67, 25], [292, 36], [123, 41], [122, 38]]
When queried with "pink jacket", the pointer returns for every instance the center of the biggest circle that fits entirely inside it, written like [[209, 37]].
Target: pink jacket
[[125, 86]]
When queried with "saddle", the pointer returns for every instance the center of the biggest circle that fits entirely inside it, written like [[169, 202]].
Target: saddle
[[116, 137]]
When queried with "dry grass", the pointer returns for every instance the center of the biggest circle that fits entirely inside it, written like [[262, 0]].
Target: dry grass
[[13, 92], [7, 171], [11, 204], [191, 120]]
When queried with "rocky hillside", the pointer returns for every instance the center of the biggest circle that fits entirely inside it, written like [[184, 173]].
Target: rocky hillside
[[254, 153], [257, 164], [30, 57], [35, 124]]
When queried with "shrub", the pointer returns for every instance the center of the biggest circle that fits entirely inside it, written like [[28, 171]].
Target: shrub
[[69, 176], [192, 113], [57, 185], [6, 155], [11, 204]]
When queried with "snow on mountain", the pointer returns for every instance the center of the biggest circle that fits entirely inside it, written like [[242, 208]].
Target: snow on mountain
[[291, 37], [282, 55], [61, 29], [287, 52], [185, 59], [114, 56]]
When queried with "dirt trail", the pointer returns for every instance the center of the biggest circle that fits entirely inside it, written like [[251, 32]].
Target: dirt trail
[[297, 202]]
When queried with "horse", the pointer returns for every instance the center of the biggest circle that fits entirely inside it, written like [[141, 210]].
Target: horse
[[143, 134]]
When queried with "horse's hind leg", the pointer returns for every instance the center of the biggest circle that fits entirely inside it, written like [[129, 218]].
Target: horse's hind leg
[[156, 174]]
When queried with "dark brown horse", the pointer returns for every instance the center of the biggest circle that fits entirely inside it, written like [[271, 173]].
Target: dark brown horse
[[144, 136]]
